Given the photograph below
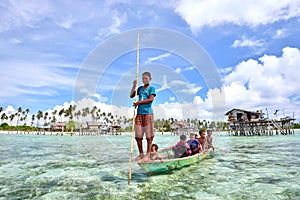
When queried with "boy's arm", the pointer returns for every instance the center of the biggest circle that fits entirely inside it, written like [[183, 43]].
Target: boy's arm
[[159, 157], [150, 99], [188, 149], [200, 146], [132, 92]]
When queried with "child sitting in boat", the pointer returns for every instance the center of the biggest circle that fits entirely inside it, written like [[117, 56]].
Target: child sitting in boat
[[209, 140], [153, 154], [194, 144], [202, 141], [182, 148]]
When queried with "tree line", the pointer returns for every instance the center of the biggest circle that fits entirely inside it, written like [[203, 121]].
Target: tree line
[[74, 118]]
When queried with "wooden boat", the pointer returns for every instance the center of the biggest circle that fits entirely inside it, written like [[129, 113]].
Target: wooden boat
[[169, 163]]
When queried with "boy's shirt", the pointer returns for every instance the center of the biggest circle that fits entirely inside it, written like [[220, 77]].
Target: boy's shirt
[[193, 144], [181, 148], [143, 95]]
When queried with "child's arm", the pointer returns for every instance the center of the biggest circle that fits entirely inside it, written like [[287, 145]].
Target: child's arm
[[150, 99], [132, 92], [159, 157], [200, 147], [188, 149]]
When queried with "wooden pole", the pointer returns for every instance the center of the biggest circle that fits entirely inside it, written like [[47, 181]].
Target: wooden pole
[[134, 109]]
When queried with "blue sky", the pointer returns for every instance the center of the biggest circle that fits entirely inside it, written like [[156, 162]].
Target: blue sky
[[50, 51]]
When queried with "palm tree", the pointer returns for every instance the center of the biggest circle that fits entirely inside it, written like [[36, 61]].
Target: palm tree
[[77, 114], [69, 113], [32, 119], [98, 113], [45, 121], [85, 112], [39, 116], [18, 113], [1, 109], [93, 112], [3, 117], [11, 117], [25, 118], [60, 113]]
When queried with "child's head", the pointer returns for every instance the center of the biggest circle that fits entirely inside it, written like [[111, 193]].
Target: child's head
[[154, 148], [146, 77], [209, 132], [192, 136], [182, 138], [202, 133]]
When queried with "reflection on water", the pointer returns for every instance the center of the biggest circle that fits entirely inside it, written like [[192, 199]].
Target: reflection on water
[[96, 167]]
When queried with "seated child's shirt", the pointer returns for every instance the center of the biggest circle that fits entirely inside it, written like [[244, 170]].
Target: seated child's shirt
[[193, 144], [180, 149]]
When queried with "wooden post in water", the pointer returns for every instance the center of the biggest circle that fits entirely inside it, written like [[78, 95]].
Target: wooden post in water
[[134, 112]]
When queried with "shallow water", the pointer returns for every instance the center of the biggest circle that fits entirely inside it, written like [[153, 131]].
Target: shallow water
[[96, 167]]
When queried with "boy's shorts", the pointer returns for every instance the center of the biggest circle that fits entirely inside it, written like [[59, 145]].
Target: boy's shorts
[[144, 123]]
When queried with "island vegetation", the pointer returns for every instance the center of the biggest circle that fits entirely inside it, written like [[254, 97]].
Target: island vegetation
[[22, 120]]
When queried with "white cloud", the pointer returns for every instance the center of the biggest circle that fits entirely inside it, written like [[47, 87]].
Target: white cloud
[[179, 70], [15, 41], [188, 88], [250, 13], [245, 42], [225, 70], [118, 20], [10, 110], [269, 83], [15, 14], [164, 84], [193, 89], [281, 33], [67, 23], [244, 72], [160, 57], [29, 78]]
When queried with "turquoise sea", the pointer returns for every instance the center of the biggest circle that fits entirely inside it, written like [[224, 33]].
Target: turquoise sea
[[96, 167]]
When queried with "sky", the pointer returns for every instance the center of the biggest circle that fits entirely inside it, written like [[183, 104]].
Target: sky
[[206, 56]]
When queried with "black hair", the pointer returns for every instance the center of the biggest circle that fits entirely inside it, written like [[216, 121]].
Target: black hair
[[182, 137], [155, 146], [147, 74]]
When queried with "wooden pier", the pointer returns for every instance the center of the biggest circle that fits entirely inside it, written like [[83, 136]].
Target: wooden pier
[[248, 123]]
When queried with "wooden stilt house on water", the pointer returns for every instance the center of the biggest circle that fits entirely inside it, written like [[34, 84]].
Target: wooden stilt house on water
[[246, 123]]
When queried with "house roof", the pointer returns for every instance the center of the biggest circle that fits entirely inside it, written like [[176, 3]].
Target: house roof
[[94, 123], [246, 111]]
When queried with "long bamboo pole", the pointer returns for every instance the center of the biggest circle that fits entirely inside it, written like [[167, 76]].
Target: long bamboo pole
[[134, 109]]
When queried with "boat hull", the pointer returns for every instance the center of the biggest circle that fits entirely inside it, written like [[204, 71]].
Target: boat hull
[[168, 165]]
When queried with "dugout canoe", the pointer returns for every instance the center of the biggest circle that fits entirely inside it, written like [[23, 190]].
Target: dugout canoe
[[169, 163]]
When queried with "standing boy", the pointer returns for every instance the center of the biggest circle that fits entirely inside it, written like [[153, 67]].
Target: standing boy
[[144, 121]]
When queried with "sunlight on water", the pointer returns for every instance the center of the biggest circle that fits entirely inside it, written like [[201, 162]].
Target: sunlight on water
[[96, 167]]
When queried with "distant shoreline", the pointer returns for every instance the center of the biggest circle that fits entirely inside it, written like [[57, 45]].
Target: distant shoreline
[[55, 133]]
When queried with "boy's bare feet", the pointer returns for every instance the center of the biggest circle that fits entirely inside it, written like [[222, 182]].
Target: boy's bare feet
[[146, 158], [139, 157]]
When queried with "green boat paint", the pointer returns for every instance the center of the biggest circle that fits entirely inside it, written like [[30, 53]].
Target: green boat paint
[[169, 164]]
